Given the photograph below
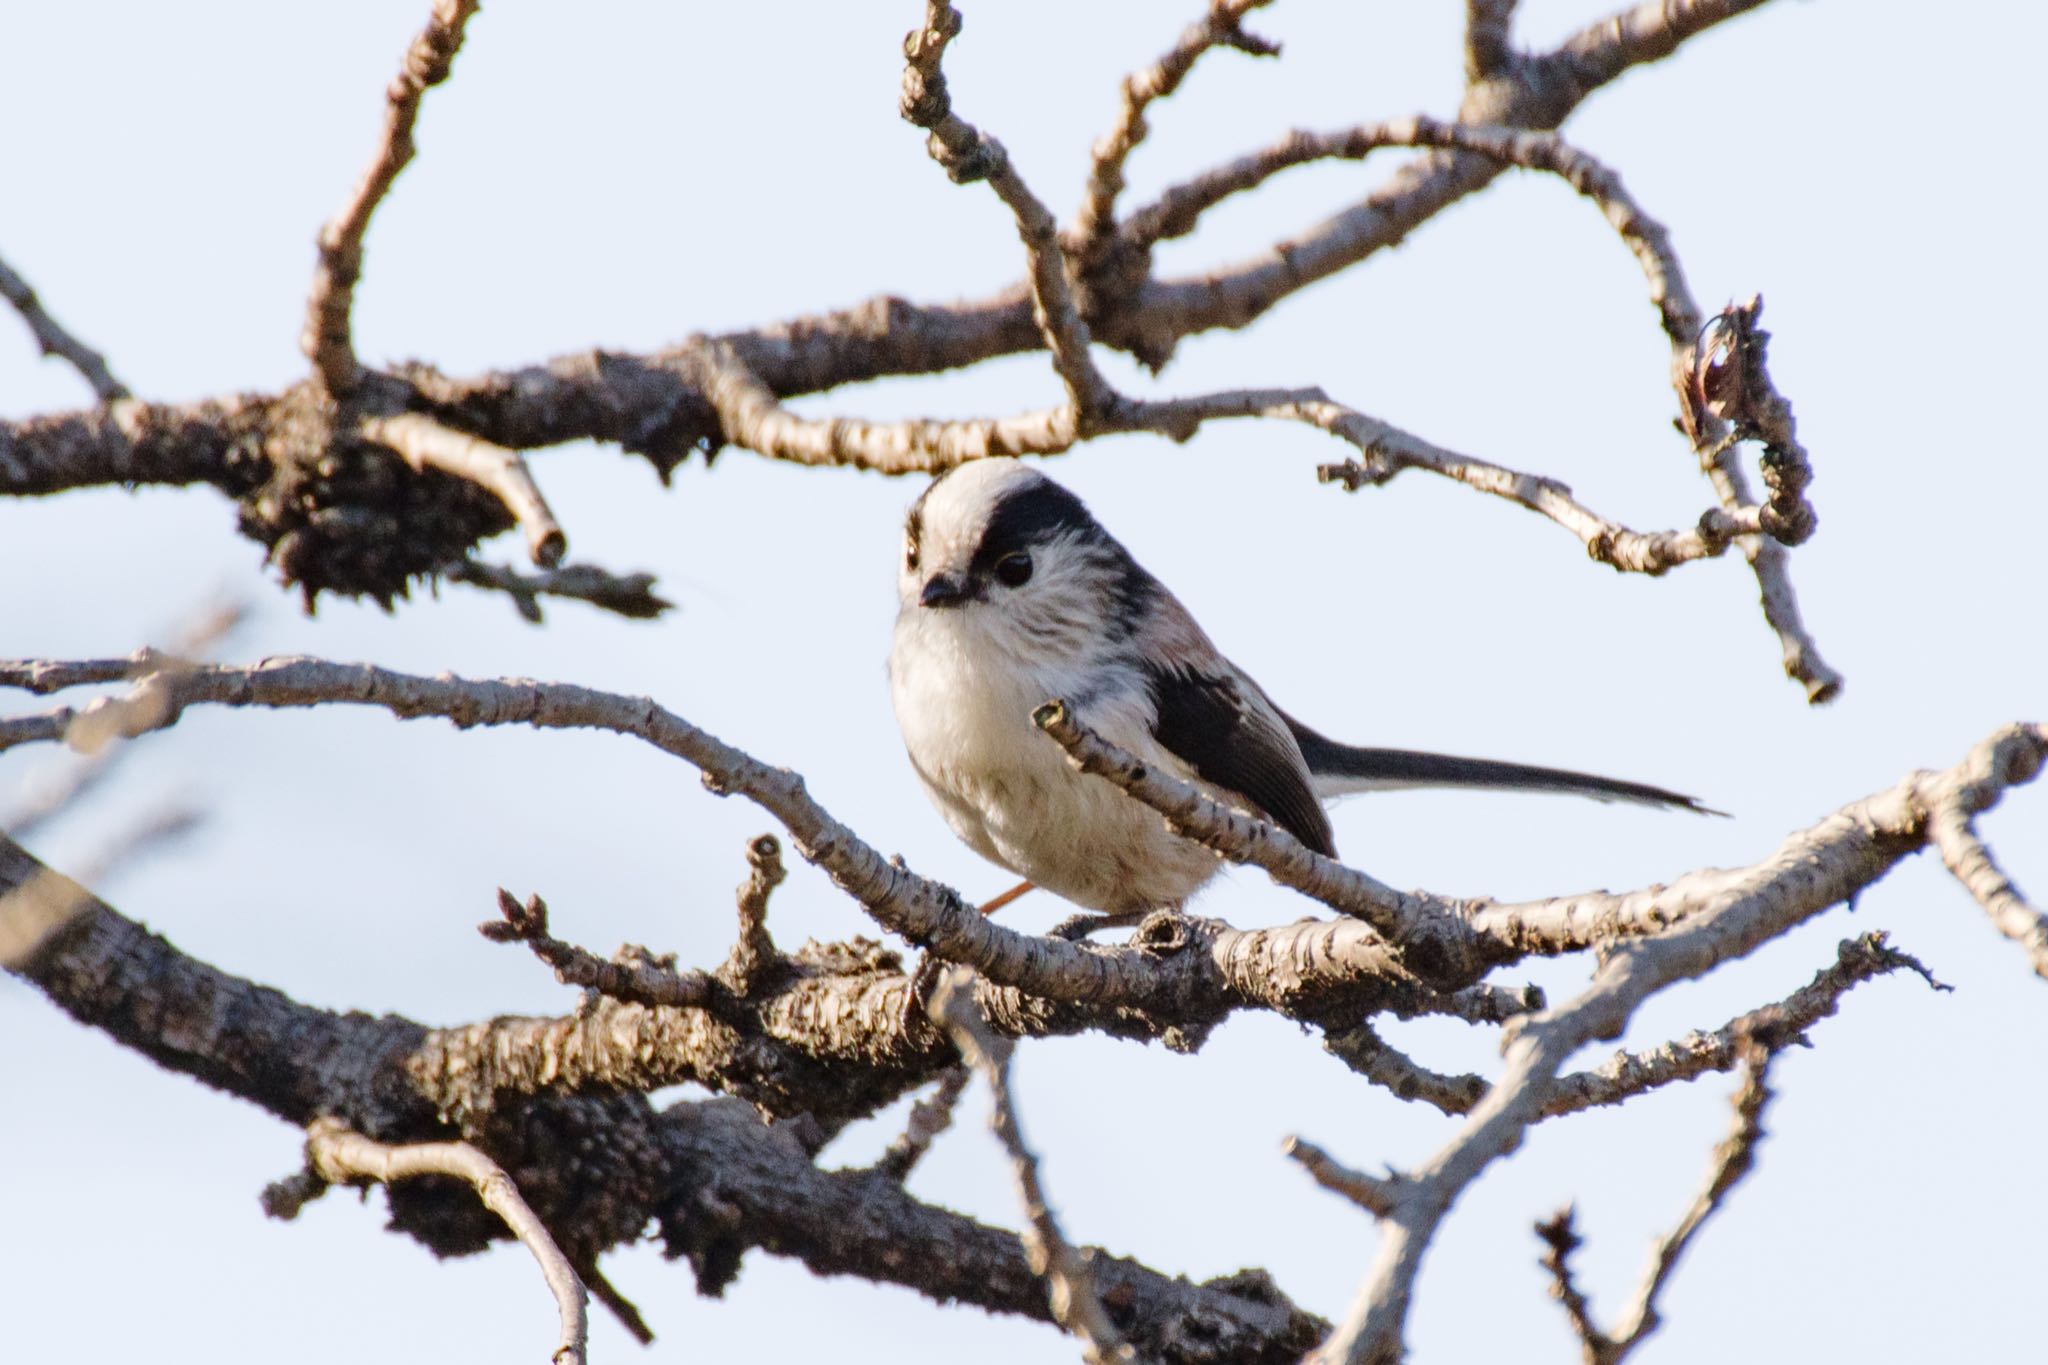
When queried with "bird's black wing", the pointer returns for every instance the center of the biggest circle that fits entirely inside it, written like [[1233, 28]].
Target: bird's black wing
[[1223, 730]]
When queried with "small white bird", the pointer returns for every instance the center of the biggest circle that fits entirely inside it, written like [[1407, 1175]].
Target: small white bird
[[1012, 595]]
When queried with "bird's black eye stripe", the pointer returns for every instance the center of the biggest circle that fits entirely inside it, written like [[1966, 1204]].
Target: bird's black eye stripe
[[1013, 570], [1029, 517]]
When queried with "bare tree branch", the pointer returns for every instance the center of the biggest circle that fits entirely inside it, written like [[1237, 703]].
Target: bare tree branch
[[750, 416], [967, 154], [629, 595], [364, 481], [929, 1117], [1786, 516], [1361, 1048], [326, 340], [1732, 1161], [1780, 1025], [631, 976], [631, 1164], [334, 522], [1489, 38], [1376, 1195], [339, 1157], [1628, 1074], [1952, 827], [1539, 92], [1442, 941], [53, 339], [634, 975], [1388, 451], [425, 444], [1819, 867], [925, 913], [1646, 32], [648, 404], [1560, 1239], [1221, 26], [1074, 1303], [754, 956]]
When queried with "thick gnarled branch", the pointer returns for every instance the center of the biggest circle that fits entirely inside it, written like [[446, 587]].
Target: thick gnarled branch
[[631, 1165]]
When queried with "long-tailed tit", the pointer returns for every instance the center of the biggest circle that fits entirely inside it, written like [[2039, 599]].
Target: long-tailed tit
[[1011, 595]]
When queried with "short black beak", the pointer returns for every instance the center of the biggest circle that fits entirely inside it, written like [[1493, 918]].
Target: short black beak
[[944, 590]]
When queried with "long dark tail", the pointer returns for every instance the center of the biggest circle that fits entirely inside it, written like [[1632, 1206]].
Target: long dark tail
[[1340, 769]]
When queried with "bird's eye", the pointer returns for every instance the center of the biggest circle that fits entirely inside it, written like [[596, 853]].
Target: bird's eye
[[910, 554], [1014, 570]]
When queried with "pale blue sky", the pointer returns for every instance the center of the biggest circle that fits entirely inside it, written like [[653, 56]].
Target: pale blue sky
[[620, 174]]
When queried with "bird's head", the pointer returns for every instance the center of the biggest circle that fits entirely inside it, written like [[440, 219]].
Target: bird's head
[[1002, 549]]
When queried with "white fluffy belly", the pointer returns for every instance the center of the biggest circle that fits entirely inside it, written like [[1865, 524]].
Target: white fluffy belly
[[1009, 792]]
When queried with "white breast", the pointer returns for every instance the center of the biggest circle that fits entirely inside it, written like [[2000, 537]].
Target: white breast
[[1009, 792]]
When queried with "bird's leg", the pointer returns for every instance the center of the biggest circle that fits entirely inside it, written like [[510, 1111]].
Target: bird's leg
[[990, 907]]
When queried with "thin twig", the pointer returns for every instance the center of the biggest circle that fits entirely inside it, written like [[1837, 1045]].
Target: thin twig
[[341, 1157], [754, 954], [1389, 450], [1952, 828], [1560, 1237], [1221, 26], [1375, 1194], [327, 341], [1785, 518], [54, 340], [1361, 1048], [929, 1117], [630, 595], [1179, 209], [621, 1307], [1779, 1025], [1733, 1159], [425, 444], [1074, 1303], [967, 154], [630, 976], [1543, 91], [1628, 1074]]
